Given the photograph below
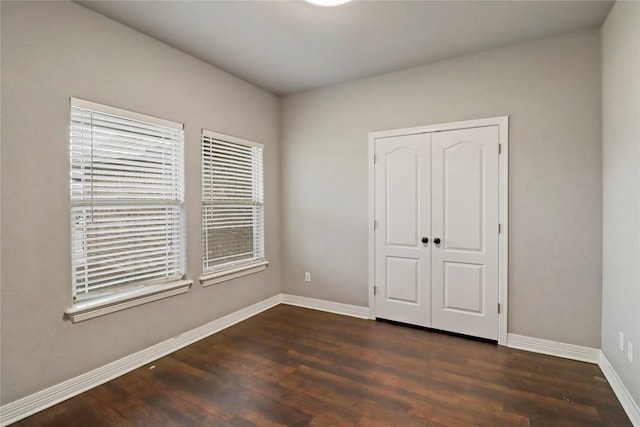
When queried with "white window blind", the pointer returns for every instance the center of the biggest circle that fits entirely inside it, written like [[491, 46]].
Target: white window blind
[[127, 199], [232, 202]]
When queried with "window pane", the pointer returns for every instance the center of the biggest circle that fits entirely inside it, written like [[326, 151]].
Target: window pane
[[127, 187], [232, 195]]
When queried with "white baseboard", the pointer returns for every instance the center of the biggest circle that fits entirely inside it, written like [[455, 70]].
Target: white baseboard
[[583, 354], [46, 398], [328, 306], [630, 406], [554, 348]]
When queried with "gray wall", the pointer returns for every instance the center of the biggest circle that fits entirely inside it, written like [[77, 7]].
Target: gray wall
[[621, 188], [550, 88], [51, 51]]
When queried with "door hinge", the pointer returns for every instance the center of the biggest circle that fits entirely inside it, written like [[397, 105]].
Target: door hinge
[[499, 229], [375, 290], [498, 308], [374, 158], [375, 225], [499, 148]]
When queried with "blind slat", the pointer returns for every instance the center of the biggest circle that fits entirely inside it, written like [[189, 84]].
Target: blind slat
[[232, 202], [127, 196]]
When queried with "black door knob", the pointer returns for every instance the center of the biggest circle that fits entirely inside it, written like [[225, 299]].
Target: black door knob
[[425, 240], [436, 240]]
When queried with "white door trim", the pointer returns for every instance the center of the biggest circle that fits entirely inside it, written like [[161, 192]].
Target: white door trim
[[503, 216]]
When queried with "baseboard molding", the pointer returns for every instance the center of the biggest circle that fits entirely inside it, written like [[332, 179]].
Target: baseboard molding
[[554, 348], [630, 406], [46, 398], [328, 306]]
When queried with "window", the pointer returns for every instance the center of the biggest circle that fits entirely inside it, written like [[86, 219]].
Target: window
[[232, 207], [127, 201]]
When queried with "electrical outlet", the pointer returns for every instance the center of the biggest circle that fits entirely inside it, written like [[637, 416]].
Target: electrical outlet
[[630, 351], [621, 341], [307, 277]]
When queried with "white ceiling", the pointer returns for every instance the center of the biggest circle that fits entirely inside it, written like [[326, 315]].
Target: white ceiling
[[291, 46]]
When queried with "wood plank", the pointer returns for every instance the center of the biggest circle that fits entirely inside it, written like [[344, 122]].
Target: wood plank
[[292, 366]]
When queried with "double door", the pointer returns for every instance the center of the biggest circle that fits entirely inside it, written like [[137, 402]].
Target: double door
[[436, 233]]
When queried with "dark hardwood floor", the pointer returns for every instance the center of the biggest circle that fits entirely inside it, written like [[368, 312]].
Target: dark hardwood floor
[[292, 366]]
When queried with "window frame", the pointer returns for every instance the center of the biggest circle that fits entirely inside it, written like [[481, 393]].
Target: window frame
[[227, 271], [114, 297]]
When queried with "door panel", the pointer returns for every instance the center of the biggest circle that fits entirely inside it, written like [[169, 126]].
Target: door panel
[[464, 204], [402, 212], [463, 196], [403, 198], [403, 280], [464, 287]]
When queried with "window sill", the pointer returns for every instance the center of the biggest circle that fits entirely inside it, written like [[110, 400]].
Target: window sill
[[232, 273], [120, 301]]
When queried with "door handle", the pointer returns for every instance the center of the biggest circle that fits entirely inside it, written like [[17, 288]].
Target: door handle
[[425, 240], [436, 240]]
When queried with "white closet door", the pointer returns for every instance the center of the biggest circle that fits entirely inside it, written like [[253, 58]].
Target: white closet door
[[464, 213], [402, 213]]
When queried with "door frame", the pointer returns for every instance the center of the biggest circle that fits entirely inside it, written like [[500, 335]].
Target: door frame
[[503, 210]]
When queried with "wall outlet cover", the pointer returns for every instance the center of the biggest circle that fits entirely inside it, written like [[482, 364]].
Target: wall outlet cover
[[621, 341]]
